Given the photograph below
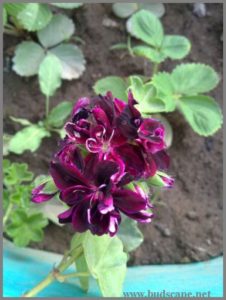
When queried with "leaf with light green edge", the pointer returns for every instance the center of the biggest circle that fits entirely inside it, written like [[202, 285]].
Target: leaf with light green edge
[[106, 262], [6, 140], [25, 228], [82, 267], [59, 114], [21, 121], [17, 173], [168, 139], [67, 5], [28, 138], [129, 234], [175, 46], [4, 16], [150, 53], [124, 10], [35, 16], [202, 113], [146, 26], [115, 84], [72, 60], [50, 75], [145, 95], [59, 29], [158, 9], [13, 9], [192, 78], [27, 59], [165, 90]]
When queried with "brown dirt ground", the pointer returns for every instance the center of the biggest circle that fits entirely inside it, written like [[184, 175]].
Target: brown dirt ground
[[188, 225]]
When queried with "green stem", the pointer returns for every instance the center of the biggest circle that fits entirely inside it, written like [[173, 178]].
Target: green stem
[[47, 106], [68, 259], [64, 277], [156, 68], [7, 214]]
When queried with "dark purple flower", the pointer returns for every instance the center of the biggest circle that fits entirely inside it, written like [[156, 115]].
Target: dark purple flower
[[90, 188], [39, 195]]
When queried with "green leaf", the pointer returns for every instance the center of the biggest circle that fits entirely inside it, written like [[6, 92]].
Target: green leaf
[[35, 16], [175, 46], [72, 60], [124, 10], [25, 228], [164, 85], [17, 173], [28, 138], [119, 46], [13, 9], [157, 9], [81, 266], [145, 94], [202, 113], [21, 121], [106, 262], [59, 29], [146, 26], [129, 234], [6, 164], [28, 56], [58, 114], [21, 196], [50, 186], [67, 5], [191, 78], [6, 140], [150, 53], [114, 84], [4, 16], [50, 75]]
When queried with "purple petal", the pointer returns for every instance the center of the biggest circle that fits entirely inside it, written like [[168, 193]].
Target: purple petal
[[38, 196], [129, 201], [80, 217], [141, 216], [162, 160], [104, 170], [106, 104], [80, 104], [66, 216]]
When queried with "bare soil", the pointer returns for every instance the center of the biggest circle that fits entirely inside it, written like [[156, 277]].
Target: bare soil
[[188, 225]]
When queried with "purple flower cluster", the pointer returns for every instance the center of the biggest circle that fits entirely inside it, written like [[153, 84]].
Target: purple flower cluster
[[108, 145]]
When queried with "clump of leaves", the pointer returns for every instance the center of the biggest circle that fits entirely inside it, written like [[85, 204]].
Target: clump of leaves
[[183, 89], [125, 10], [20, 223]]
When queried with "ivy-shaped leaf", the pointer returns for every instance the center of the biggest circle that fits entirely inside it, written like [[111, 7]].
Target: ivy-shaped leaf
[[25, 228]]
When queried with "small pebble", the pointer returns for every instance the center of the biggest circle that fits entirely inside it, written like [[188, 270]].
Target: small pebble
[[199, 9], [107, 22], [192, 215]]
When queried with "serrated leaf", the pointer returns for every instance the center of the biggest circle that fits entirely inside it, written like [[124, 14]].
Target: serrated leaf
[[25, 228], [145, 94], [150, 53], [202, 113], [14, 9], [106, 262], [5, 164], [21, 121], [81, 266], [72, 60], [27, 59], [114, 84], [59, 29], [175, 46], [129, 234], [58, 114], [192, 78], [35, 16], [67, 5], [50, 75], [4, 16], [158, 9], [124, 10], [21, 196], [28, 138], [146, 26], [19, 172], [164, 85]]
